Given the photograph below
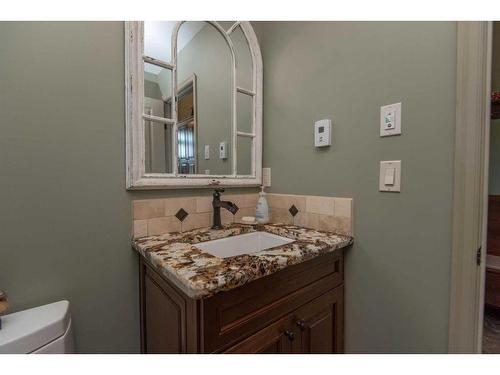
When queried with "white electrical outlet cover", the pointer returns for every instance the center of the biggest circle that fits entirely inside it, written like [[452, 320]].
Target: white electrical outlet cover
[[207, 152]]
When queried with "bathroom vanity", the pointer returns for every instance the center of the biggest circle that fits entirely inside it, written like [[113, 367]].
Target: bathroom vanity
[[284, 299], [194, 119]]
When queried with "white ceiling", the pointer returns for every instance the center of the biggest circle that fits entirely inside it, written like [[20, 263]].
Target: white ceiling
[[157, 37]]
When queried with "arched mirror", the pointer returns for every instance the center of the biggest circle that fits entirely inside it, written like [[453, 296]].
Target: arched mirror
[[194, 104]]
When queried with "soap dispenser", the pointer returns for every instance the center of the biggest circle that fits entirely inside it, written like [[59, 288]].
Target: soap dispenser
[[262, 210]]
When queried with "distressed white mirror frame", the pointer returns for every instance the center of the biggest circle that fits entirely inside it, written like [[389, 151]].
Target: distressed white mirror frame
[[137, 178]]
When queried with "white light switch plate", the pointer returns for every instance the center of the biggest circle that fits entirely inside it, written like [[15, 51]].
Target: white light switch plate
[[207, 152], [390, 176], [222, 150], [266, 177], [323, 133], [390, 120]]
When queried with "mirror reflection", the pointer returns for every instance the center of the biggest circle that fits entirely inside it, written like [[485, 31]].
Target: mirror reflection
[[158, 158], [203, 52], [206, 100]]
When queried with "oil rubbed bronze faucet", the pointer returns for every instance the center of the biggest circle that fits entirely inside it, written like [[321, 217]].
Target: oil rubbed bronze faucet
[[217, 204]]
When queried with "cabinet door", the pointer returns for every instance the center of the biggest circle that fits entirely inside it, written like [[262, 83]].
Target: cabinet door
[[321, 324], [164, 317], [274, 339]]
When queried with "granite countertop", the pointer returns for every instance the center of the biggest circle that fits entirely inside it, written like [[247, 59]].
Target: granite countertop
[[199, 274]]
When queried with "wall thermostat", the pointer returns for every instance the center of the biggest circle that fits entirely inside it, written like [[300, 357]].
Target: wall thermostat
[[390, 120], [322, 133]]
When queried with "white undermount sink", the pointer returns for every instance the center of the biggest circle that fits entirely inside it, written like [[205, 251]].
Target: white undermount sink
[[242, 244]]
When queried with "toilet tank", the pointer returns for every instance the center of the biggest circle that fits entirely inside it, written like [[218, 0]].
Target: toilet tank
[[44, 329]]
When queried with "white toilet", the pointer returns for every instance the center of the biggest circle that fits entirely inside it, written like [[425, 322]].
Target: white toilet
[[42, 330]]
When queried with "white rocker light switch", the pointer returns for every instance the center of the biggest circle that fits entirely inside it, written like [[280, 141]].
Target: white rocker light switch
[[390, 176]]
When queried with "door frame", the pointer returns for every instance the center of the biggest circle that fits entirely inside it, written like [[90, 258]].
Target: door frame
[[470, 186]]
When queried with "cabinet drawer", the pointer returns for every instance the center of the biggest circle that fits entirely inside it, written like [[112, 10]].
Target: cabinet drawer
[[228, 317]]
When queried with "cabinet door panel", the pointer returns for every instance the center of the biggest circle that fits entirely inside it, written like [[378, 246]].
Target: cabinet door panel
[[319, 334], [321, 324], [269, 340], [164, 318]]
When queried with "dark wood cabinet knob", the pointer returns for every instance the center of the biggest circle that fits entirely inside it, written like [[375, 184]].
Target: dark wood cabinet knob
[[301, 324], [290, 335]]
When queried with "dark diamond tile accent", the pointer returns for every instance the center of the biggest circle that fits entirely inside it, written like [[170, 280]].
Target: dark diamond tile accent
[[181, 214], [293, 210]]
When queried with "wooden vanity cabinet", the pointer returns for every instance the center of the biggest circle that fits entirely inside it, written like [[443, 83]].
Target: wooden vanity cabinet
[[316, 327], [296, 310]]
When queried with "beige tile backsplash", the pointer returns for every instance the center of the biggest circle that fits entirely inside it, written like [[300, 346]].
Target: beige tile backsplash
[[284, 201], [321, 213], [280, 215], [172, 205], [160, 225], [140, 228], [157, 216], [148, 209], [320, 205]]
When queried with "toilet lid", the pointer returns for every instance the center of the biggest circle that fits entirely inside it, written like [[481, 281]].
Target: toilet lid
[[28, 330]]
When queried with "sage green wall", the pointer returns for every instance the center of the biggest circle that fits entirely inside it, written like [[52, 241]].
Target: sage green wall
[[65, 221], [398, 272]]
